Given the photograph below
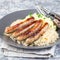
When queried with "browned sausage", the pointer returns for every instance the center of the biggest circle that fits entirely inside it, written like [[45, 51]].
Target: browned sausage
[[35, 36], [19, 25], [37, 26], [22, 30]]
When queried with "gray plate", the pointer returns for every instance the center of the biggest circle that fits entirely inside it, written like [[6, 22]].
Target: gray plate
[[7, 20]]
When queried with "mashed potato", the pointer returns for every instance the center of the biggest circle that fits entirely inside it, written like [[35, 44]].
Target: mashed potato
[[49, 37]]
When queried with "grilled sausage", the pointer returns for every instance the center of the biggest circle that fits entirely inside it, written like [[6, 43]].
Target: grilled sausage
[[22, 30], [37, 26], [35, 36], [19, 25]]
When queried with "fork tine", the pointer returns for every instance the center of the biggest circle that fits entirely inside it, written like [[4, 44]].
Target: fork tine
[[44, 9], [39, 10]]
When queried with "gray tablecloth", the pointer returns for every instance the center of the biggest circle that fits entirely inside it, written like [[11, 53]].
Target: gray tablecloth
[[9, 6]]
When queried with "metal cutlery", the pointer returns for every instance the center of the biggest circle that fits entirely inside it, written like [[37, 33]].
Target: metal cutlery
[[56, 17]]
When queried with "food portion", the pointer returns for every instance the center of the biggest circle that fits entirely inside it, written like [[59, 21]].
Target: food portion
[[34, 30], [37, 34], [49, 37], [19, 25], [31, 31]]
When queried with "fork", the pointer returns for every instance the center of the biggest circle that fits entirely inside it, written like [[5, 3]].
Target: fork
[[41, 10]]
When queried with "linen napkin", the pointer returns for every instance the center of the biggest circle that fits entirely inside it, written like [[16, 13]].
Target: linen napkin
[[15, 52]]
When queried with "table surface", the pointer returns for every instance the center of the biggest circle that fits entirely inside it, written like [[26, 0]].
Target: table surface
[[9, 6]]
